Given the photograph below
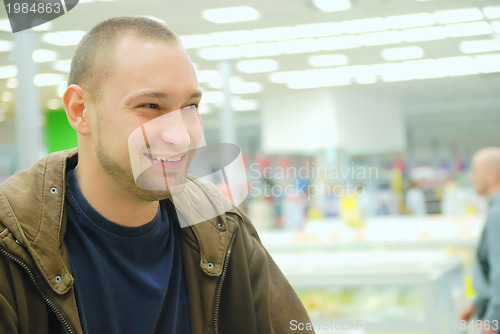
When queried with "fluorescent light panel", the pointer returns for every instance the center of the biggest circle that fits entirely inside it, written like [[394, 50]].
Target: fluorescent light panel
[[492, 12], [469, 29], [319, 29], [231, 14], [44, 55], [244, 105], [8, 71], [63, 38], [478, 46], [62, 65], [233, 37], [5, 45], [48, 79], [332, 5], [458, 15], [410, 21], [257, 66]]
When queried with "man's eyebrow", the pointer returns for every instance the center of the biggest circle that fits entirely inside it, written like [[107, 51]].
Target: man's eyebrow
[[152, 94], [196, 94], [162, 96]]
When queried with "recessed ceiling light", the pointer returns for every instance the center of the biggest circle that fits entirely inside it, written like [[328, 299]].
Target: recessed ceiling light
[[44, 55], [233, 37], [204, 108], [489, 63], [62, 65], [469, 29], [424, 69], [485, 45], [260, 50], [5, 25], [212, 97], [244, 105], [5, 45], [492, 12], [458, 15], [410, 52], [410, 20], [219, 53], [12, 83], [424, 34], [276, 34], [381, 38], [48, 79], [319, 29], [8, 71], [298, 46], [332, 5], [459, 66], [7, 96], [231, 14], [63, 38], [241, 87], [257, 66], [339, 43], [196, 41]]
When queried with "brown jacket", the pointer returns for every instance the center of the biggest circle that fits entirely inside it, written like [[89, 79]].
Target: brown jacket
[[233, 284]]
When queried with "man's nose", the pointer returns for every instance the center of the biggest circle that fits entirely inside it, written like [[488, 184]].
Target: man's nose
[[174, 130]]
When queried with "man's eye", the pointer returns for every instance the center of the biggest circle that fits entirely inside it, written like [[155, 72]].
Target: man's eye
[[191, 106], [150, 106]]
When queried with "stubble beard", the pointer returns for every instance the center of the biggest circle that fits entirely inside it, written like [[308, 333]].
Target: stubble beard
[[121, 174]]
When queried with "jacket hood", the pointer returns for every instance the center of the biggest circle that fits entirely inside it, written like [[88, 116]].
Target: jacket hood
[[32, 210]]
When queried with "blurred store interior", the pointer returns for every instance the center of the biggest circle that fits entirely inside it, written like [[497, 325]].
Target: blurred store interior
[[356, 119]]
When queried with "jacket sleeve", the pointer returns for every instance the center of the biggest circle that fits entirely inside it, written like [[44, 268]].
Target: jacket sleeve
[[277, 307], [492, 234], [8, 315]]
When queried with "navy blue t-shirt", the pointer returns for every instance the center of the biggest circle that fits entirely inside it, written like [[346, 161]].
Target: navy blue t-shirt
[[128, 280]]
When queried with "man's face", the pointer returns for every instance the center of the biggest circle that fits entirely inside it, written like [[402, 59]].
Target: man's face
[[479, 175], [147, 122]]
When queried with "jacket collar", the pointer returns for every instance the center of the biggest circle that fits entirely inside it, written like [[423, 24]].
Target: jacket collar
[[32, 208]]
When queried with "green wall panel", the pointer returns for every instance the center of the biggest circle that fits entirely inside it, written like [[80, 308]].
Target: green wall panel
[[59, 135]]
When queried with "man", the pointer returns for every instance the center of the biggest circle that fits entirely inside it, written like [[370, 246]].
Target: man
[[485, 177], [91, 243]]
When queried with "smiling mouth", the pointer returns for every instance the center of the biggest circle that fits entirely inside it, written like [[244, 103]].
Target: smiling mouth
[[163, 158]]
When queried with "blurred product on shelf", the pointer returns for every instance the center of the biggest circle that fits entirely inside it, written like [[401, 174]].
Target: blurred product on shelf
[[415, 201]]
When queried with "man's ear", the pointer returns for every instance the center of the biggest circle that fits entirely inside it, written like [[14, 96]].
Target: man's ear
[[75, 109]]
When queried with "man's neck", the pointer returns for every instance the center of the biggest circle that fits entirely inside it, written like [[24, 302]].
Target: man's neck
[[112, 202]]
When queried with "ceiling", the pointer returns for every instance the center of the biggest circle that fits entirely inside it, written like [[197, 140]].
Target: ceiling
[[186, 19]]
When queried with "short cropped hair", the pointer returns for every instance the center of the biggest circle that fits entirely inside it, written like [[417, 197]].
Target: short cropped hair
[[92, 60]]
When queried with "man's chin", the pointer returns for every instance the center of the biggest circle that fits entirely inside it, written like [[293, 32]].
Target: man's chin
[[173, 182]]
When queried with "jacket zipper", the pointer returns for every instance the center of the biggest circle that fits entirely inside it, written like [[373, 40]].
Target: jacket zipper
[[219, 287], [49, 302]]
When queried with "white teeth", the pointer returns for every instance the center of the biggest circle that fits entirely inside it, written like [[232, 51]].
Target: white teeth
[[157, 158]]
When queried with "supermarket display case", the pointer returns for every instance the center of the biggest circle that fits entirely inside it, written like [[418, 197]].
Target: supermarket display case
[[393, 271], [416, 289]]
